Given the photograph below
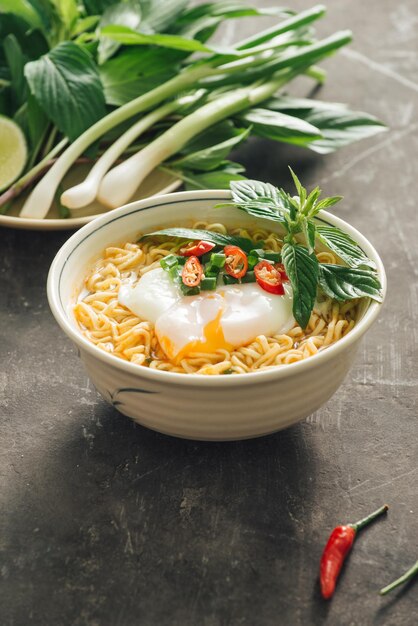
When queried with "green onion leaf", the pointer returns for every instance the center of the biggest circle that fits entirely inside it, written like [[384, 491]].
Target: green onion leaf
[[249, 277], [171, 260], [127, 36], [208, 283]]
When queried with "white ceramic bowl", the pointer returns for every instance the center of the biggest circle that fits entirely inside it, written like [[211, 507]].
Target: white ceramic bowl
[[197, 406]]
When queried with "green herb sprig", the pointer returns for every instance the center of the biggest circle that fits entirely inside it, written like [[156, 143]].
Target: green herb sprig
[[358, 278]]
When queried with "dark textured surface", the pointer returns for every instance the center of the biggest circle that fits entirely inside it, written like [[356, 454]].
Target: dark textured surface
[[105, 523]]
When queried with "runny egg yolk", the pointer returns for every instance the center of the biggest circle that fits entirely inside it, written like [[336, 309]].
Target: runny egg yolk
[[227, 318], [213, 340]]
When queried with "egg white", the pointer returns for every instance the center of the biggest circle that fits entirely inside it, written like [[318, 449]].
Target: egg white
[[227, 318]]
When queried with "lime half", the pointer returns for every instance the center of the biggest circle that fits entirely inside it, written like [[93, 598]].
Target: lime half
[[13, 151]]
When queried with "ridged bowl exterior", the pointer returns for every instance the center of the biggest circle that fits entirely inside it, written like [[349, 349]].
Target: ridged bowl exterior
[[219, 413], [196, 406]]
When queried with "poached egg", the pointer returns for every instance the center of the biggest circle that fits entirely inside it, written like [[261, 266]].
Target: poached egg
[[229, 317]]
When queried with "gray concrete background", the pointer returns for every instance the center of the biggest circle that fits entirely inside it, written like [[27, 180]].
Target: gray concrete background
[[104, 523]]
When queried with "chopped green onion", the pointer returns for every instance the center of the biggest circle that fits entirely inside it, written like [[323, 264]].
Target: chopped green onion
[[171, 260], [275, 257], [252, 261], [249, 277], [229, 280], [216, 263], [175, 274], [218, 259], [205, 258], [189, 291], [208, 283]]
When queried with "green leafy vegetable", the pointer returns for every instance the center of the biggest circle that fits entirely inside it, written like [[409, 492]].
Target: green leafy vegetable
[[159, 15], [23, 9], [66, 84], [343, 245], [135, 71], [92, 66], [207, 235], [16, 62], [346, 283], [280, 127], [129, 37], [338, 125], [309, 229], [253, 190], [126, 14], [296, 215], [203, 153], [219, 178], [303, 270]]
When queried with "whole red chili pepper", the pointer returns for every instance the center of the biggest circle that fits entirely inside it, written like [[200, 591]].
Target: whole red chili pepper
[[338, 546]]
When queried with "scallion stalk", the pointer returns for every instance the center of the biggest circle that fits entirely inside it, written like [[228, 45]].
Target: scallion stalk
[[295, 21], [83, 194], [39, 202], [120, 183], [292, 64]]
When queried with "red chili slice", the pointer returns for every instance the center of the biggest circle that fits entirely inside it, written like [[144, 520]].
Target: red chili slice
[[236, 264], [196, 248], [192, 272], [280, 267], [269, 278]]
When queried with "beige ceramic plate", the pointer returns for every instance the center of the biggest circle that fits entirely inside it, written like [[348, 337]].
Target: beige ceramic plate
[[156, 183]]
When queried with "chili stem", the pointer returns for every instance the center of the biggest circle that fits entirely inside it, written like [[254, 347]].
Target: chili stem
[[413, 571], [366, 520]]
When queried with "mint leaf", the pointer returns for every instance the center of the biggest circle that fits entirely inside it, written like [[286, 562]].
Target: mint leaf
[[66, 84], [206, 235], [343, 245], [324, 204], [299, 187], [303, 270], [311, 202], [346, 283], [309, 229], [250, 190], [261, 200]]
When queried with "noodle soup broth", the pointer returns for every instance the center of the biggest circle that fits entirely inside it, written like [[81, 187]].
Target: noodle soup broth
[[118, 330]]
